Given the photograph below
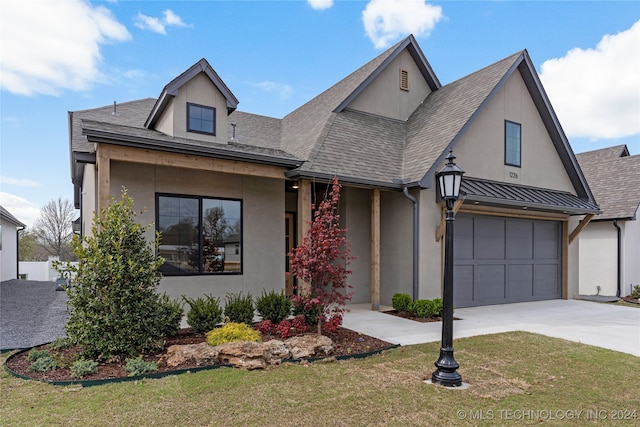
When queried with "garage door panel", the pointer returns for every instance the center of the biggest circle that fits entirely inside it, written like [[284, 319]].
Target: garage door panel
[[546, 240], [546, 283], [519, 240], [490, 282], [488, 237], [463, 275], [463, 231], [520, 281]]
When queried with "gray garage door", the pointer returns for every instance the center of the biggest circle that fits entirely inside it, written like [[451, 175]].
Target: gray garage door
[[503, 260]]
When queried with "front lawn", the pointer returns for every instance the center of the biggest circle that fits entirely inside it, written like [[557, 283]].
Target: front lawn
[[516, 378]]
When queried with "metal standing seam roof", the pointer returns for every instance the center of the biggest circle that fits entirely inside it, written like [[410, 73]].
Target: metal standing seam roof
[[513, 195]]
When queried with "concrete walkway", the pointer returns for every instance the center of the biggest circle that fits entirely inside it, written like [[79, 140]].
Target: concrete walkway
[[603, 325]]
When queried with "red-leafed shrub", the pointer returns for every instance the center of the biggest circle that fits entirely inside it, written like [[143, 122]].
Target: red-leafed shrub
[[333, 323], [265, 327], [299, 324], [284, 329]]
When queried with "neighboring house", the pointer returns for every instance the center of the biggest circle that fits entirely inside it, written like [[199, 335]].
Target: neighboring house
[[609, 245], [9, 227], [205, 171]]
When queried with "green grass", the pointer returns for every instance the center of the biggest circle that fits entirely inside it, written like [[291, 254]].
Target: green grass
[[515, 379]]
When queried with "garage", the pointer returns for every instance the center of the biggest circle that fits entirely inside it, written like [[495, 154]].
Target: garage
[[501, 260]]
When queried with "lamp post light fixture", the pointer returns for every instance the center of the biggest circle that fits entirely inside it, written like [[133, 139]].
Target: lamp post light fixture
[[449, 180]]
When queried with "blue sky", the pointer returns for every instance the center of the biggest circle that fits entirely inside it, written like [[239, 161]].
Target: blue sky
[[64, 55]]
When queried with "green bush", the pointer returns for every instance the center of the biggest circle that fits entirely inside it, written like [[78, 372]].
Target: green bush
[[423, 308], [172, 313], [239, 308], [307, 307], [635, 293], [233, 332], [401, 302], [83, 367], [116, 309], [43, 364], [438, 306], [204, 314], [138, 366], [34, 354], [60, 343], [273, 306]]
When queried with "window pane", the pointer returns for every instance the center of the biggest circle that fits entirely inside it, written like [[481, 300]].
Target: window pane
[[201, 119], [178, 224], [512, 143]]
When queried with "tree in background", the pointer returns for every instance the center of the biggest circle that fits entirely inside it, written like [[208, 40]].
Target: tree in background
[[54, 227], [321, 260], [29, 246]]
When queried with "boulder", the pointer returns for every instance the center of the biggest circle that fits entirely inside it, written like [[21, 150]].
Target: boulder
[[200, 354], [311, 345], [244, 354], [278, 351]]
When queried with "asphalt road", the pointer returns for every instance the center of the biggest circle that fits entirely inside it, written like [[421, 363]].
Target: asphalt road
[[31, 313]]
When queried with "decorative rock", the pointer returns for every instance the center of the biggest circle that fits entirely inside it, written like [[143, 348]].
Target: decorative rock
[[200, 354], [278, 351], [311, 345], [244, 354]]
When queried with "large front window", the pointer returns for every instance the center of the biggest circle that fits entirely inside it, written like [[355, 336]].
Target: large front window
[[199, 235]]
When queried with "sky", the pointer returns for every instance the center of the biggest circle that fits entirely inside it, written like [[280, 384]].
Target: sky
[[66, 55]]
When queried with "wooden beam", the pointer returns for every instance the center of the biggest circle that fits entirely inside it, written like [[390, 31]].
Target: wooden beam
[[512, 213], [582, 224], [304, 219], [440, 230], [160, 158], [375, 249], [103, 167]]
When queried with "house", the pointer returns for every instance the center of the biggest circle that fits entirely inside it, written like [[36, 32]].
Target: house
[[205, 171], [9, 227], [609, 246]]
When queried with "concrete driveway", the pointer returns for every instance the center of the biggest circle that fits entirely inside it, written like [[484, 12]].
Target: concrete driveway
[[603, 325], [31, 313]]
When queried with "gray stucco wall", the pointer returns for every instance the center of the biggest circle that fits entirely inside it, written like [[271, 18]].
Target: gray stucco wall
[[263, 204], [357, 220]]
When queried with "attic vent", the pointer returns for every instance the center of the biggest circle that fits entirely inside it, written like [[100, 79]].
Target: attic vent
[[404, 80]]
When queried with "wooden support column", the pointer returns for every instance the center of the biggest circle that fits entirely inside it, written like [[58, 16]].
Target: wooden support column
[[304, 219], [375, 249], [103, 166], [440, 230]]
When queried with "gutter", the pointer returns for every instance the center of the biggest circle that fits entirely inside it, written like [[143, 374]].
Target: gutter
[[615, 224], [416, 235]]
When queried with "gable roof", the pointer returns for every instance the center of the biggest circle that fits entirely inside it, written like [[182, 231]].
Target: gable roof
[[613, 165], [6, 216], [171, 90]]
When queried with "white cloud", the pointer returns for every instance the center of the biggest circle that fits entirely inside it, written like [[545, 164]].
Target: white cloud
[[24, 211], [52, 46], [387, 20], [284, 90], [320, 4], [19, 182], [596, 92], [159, 25]]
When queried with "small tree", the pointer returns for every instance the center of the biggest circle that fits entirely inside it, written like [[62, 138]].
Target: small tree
[[54, 227], [116, 310], [321, 260]]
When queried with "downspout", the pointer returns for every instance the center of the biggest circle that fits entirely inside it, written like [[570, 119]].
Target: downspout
[[416, 236], [615, 224], [18, 230]]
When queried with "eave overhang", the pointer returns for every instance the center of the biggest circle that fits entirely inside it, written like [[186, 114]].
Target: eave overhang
[[500, 194]]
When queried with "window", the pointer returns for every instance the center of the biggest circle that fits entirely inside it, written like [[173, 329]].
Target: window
[[512, 143], [199, 235], [201, 119]]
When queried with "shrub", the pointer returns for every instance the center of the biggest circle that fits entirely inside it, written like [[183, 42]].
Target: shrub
[[401, 302], [239, 308], [34, 354], [265, 327], [438, 306], [299, 324], [138, 366], [309, 308], [423, 308], [172, 313], [635, 293], [284, 329], [273, 306], [333, 323], [116, 309], [43, 363], [83, 367], [60, 343], [232, 332], [205, 313]]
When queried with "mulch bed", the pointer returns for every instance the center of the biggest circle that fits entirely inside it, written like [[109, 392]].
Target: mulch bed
[[631, 300], [346, 341]]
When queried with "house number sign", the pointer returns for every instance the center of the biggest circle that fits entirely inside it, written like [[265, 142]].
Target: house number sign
[[513, 175]]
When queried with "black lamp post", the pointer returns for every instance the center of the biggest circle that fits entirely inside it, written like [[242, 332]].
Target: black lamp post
[[449, 179]]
